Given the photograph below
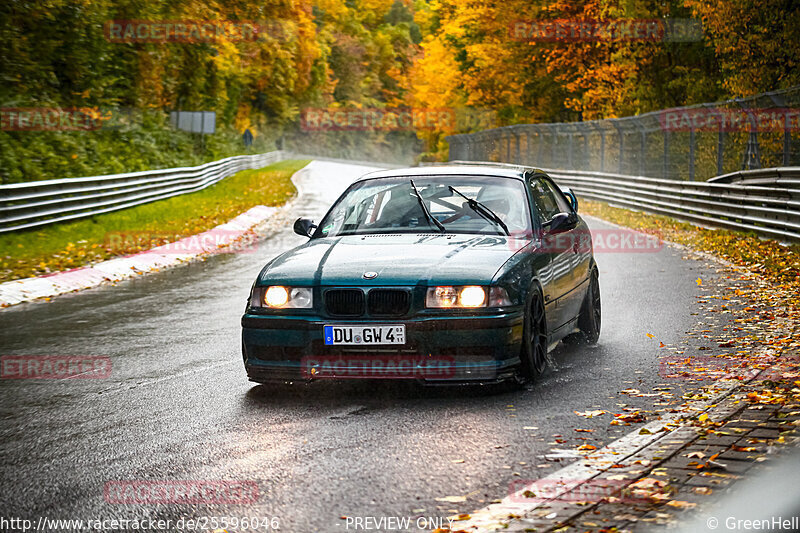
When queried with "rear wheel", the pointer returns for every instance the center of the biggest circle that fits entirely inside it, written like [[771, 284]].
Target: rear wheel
[[590, 318], [534, 348]]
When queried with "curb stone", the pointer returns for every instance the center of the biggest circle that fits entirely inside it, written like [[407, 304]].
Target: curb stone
[[121, 268], [665, 455]]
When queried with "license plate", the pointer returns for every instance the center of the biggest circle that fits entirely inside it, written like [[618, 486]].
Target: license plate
[[365, 335]]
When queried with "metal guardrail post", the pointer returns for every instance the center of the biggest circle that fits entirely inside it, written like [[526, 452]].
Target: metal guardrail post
[[540, 140], [582, 128], [602, 150], [571, 151], [642, 146], [621, 136], [528, 149], [554, 143], [691, 153]]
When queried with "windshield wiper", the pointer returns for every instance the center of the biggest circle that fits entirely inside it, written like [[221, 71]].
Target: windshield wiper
[[425, 209], [482, 210]]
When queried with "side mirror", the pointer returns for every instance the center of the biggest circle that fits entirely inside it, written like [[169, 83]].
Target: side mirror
[[304, 227], [562, 222]]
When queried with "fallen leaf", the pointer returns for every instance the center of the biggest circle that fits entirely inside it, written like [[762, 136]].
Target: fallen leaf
[[678, 504], [452, 499], [590, 414]]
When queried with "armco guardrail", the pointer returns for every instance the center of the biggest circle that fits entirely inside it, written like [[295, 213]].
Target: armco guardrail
[[37, 203], [765, 201]]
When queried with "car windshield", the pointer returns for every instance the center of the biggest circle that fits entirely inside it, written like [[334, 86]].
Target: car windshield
[[390, 205]]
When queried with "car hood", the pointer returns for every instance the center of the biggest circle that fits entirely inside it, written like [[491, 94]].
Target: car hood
[[398, 259]]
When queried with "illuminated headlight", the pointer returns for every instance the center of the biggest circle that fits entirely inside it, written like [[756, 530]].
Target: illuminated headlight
[[280, 297], [444, 297], [472, 297], [466, 297]]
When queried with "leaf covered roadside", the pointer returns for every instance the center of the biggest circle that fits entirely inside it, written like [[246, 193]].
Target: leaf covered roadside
[[747, 331], [760, 295], [774, 261], [761, 291], [71, 245]]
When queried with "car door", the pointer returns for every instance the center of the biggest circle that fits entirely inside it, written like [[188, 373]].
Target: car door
[[578, 252], [559, 247]]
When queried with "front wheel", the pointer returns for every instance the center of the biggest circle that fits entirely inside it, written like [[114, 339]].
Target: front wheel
[[590, 317], [534, 335]]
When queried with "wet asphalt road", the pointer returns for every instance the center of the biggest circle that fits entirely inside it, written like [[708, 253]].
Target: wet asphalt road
[[177, 405]]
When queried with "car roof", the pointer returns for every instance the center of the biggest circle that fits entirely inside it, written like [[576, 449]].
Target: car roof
[[454, 169]]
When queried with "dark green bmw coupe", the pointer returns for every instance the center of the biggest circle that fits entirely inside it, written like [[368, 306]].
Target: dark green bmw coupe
[[444, 274]]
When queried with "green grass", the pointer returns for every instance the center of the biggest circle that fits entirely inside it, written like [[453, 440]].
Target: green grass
[[75, 244]]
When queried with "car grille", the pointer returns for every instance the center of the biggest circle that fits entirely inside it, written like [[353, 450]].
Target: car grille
[[345, 302], [385, 302]]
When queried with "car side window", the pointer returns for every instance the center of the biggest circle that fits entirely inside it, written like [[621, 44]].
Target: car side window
[[563, 204], [545, 199]]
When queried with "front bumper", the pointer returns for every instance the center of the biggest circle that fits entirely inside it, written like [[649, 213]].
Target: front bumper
[[438, 349]]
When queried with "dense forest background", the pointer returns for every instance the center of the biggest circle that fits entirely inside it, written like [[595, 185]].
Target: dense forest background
[[453, 54]]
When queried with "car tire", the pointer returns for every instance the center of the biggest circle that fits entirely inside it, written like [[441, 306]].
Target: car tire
[[534, 337], [590, 319]]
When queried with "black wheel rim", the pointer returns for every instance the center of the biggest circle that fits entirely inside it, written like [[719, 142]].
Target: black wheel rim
[[538, 335], [596, 308]]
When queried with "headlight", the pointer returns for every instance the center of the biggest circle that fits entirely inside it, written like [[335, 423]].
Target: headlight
[[276, 296], [472, 297], [466, 297], [280, 297], [443, 297]]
